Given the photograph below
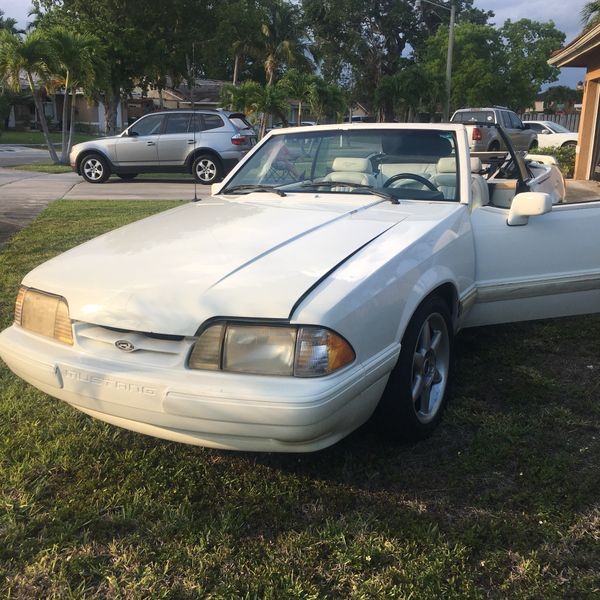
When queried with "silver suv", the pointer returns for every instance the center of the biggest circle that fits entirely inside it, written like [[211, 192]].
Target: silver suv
[[205, 143], [486, 139]]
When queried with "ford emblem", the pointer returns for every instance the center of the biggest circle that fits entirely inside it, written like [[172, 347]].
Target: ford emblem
[[125, 345]]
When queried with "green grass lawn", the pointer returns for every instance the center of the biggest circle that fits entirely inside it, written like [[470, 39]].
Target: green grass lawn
[[43, 168], [502, 502], [17, 138]]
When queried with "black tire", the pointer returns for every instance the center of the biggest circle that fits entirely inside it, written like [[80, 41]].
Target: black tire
[[533, 146], [494, 146], [569, 145], [94, 168], [127, 176], [420, 376], [206, 169]]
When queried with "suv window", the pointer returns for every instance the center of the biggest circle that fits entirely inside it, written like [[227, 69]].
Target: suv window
[[504, 119], [177, 123], [202, 122], [150, 125], [515, 122], [240, 123], [212, 122], [475, 115]]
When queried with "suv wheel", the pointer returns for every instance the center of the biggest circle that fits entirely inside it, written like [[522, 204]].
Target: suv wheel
[[94, 169], [206, 169]]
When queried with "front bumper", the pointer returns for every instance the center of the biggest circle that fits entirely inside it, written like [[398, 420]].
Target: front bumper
[[214, 409]]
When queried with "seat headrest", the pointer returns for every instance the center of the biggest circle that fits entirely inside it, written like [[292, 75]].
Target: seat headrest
[[357, 165], [476, 165], [446, 165]]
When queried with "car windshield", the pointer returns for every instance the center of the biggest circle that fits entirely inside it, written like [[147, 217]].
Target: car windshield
[[558, 128], [400, 163]]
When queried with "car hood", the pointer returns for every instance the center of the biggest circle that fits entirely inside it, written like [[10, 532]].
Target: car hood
[[253, 258]]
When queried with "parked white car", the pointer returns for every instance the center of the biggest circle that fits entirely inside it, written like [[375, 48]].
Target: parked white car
[[323, 281], [553, 134]]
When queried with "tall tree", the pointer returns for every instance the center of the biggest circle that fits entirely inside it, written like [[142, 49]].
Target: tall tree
[[33, 57], [527, 46], [8, 24], [76, 64], [298, 86], [282, 40], [590, 13], [362, 42]]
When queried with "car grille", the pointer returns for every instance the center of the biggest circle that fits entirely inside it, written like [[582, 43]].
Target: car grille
[[132, 346]]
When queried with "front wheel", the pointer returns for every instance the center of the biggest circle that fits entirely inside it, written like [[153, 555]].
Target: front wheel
[[415, 395], [94, 169], [206, 169]]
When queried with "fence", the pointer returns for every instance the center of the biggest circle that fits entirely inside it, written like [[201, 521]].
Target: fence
[[570, 121]]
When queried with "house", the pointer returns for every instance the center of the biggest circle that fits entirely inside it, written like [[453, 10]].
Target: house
[[584, 51]]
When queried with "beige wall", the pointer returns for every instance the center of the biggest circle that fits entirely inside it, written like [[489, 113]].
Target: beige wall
[[589, 115]]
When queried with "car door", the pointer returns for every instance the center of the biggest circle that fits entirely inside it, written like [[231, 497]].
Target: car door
[[548, 267], [138, 144], [175, 142]]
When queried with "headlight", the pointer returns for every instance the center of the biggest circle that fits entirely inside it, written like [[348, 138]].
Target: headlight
[[43, 313], [303, 351]]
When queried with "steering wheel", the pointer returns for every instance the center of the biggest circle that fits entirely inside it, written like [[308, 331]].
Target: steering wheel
[[422, 180]]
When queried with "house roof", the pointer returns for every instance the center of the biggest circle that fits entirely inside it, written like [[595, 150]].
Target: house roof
[[575, 53]]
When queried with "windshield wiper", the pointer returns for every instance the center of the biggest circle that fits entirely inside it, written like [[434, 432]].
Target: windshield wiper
[[363, 188], [248, 188]]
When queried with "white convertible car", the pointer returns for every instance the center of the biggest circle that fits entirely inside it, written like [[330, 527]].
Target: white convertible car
[[323, 281]]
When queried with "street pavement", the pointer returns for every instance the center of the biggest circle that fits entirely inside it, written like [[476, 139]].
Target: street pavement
[[22, 155]]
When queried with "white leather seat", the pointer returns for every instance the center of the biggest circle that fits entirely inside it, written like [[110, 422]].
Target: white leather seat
[[446, 181], [351, 170]]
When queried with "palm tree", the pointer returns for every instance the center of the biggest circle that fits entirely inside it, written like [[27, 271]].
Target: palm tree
[[32, 56], [590, 13], [297, 85], [326, 99], [272, 100], [243, 98], [8, 24], [74, 67], [282, 39]]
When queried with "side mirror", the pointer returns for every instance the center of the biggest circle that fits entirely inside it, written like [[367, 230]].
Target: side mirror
[[528, 204]]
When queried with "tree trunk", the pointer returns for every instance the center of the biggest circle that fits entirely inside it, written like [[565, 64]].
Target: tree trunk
[[236, 64], [263, 126], [299, 113], [64, 118], [40, 108], [112, 107], [71, 125]]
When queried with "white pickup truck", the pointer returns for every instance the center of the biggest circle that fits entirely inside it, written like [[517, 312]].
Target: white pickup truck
[[483, 137], [323, 281]]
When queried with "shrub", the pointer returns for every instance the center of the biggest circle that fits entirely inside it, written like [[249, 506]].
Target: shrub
[[565, 156]]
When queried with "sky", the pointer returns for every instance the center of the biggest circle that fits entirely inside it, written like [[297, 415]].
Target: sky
[[564, 13]]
